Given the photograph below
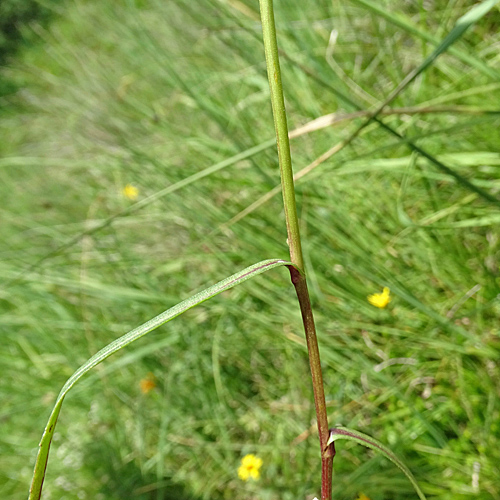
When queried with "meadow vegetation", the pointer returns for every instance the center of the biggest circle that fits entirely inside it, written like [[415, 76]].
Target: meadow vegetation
[[149, 93]]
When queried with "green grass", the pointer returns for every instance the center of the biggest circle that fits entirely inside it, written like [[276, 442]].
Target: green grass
[[152, 92]]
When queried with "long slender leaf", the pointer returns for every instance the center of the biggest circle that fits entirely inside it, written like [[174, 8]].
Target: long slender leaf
[[405, 23], [125, 340], [462, 24], [360, 438]]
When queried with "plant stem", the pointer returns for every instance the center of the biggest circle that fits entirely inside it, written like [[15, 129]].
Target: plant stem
[[298, 272], [327, 452], [281, 126]]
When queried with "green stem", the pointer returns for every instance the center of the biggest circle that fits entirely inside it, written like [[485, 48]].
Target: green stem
[[294, 243], [281, 126]]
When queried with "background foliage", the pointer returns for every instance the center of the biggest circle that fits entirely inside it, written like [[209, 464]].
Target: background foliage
[[150, 92], [15, 19]]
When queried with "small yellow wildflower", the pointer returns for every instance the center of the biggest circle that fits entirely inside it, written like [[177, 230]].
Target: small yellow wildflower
[[380, 299], [147, 384], [130, 192], [362, 496], [249, 468]]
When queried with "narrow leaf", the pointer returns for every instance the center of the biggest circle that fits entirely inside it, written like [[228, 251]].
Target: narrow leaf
[[125, 340], [404, 22], [360, 438], [458, 30], [462, 24]]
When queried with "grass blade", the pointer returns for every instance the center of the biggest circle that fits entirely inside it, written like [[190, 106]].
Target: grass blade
[[461, 26], [125, 340], [360, 438], [375, 116], [402, 21]]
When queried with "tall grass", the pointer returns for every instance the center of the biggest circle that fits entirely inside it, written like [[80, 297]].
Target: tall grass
[[149, 93]]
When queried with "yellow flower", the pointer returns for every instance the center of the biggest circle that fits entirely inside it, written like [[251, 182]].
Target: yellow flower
[[130, 192], [249, 468], [362, 496], [380, 299], [147, 384]]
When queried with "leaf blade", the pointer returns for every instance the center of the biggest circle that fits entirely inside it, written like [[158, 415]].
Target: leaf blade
[[125, 340], [367, 441]]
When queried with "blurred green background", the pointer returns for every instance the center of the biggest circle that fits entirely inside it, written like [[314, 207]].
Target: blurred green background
[[97, 95]]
